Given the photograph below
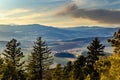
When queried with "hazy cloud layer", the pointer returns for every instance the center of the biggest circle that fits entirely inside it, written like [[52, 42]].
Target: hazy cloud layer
[[80, 12], [97, 4], [99, 15]]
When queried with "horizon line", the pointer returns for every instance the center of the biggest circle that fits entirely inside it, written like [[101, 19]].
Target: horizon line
[[12, 24]]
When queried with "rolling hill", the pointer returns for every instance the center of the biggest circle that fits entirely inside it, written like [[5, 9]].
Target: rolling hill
[[57, 38]]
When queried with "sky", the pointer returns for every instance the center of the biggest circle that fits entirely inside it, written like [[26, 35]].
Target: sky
[[61, 13]]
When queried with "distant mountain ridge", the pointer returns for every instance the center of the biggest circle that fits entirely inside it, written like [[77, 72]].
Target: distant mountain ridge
[[59, 39], [88, 39], [31, 32]]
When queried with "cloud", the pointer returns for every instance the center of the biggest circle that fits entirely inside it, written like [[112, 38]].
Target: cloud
[[26, 16], [91, 3], [7, 14], [100, 15]]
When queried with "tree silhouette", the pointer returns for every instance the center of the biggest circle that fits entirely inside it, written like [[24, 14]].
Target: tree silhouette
[[95, 50], [40, 60], [13, 62]]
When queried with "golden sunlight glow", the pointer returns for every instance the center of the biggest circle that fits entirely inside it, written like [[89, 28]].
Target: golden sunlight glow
[[26, 16]]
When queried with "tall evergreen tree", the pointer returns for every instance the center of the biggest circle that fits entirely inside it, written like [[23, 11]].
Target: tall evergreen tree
[[13, 62], [115, 42], [40, 60], [95, 49]]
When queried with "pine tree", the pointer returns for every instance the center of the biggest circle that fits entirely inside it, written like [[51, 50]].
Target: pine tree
[[109, 68], [115, 42], [13, 62], [95, 50], [40, 60]]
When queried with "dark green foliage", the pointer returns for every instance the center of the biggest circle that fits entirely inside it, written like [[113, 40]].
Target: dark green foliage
[[67, 71], [13, 53], [48, 74], [94, 75], [91, 67], [115, 42], [1, 62], [9, 73], [2, 66], [95, 50], [13, 56], [78, 69], [40, 60], [22, 75], [102, 66], [57, 73]]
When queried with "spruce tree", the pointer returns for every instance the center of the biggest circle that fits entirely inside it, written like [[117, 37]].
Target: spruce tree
[[95, 50], [115, 42], [13, 56], [40, 60]]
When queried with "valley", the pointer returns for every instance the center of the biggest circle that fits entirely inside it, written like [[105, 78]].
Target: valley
[[70, 40]]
